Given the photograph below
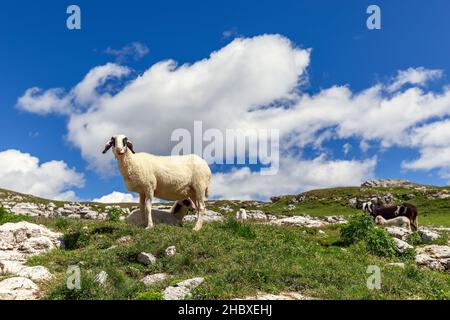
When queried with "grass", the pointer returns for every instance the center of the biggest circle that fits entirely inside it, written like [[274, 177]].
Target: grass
[[236, 260]]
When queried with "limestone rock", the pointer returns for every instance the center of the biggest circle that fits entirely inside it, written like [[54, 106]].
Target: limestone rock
[[170, 251], [146, 258], [401, 245], [398, 233], [152, 279], [434, 257], [18, 288], [427, 235], [183, 289]]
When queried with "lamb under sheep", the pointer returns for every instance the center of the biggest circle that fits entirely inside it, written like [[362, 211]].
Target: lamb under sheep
[[171, 178], [404, 210], [401, 221]]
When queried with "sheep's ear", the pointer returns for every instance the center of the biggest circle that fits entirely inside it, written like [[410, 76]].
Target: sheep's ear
[[108, 146], [130, 146]]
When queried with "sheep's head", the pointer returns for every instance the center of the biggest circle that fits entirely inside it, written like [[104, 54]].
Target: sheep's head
[[120, 143]]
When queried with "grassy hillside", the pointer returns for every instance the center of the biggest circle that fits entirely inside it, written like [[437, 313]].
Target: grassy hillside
[[241, 259], [235, 259]]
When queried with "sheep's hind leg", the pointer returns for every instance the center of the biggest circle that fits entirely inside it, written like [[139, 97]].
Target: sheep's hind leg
[[148, 210], [200, 204]]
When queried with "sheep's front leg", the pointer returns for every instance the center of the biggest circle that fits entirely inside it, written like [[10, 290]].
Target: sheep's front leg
[[148, 210], [200, 213], [142, 209]]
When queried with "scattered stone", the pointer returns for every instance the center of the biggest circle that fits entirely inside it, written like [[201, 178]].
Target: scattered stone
[[170, 251], [183, 289], [321, 232], [335, 220], [427, 235], [302, 221], [152, 279], [146, 258], [401, 245], [38, 273], [158, 217], [101, 277], [256, 215], [396, 264], [18, 288], [398, 233], [353, 202], [434, 257], [388, 183]]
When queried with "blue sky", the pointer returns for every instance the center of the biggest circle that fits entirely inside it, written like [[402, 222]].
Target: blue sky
[[39, 51]]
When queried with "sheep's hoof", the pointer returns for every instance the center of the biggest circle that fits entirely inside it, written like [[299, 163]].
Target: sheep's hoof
[[149, 227]]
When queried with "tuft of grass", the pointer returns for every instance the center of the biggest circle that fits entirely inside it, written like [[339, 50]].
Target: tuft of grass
[[244, 230], [149, 295]]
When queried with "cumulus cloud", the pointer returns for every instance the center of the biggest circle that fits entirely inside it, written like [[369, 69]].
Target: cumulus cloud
[[23, 173], [134, 50], [252, 83], [416, 76], [294, 176], [117, 197]]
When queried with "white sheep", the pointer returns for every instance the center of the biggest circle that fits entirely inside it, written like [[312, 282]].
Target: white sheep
[[401, 221], [241, 214], [166, 177]]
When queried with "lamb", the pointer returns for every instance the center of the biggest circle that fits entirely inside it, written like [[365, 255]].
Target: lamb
[[170, 178], [401, 221]]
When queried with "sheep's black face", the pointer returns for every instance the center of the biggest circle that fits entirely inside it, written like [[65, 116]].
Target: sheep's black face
[[120, 144]]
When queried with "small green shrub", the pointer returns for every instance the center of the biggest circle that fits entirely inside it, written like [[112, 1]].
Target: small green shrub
[[380, 243], [149, 295], [114, 214], [357, 229], [413, 238], [6, 216], [61, 223]]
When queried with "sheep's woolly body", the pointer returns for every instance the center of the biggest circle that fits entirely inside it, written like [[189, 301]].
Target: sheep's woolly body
[[179, 178], [171, 178], [402, 222]]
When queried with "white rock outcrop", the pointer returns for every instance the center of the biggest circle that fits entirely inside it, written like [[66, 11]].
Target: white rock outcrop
[[152, 279], [18, 242], [434, 257], [18, 288], [146, 258], [183, 289]]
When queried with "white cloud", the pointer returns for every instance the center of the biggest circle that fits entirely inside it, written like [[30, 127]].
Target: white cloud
[[23, 173], [346, 148], [293, 177], [135, 50], [117, 197], [416, 76], [232, 89], [50, 101]]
